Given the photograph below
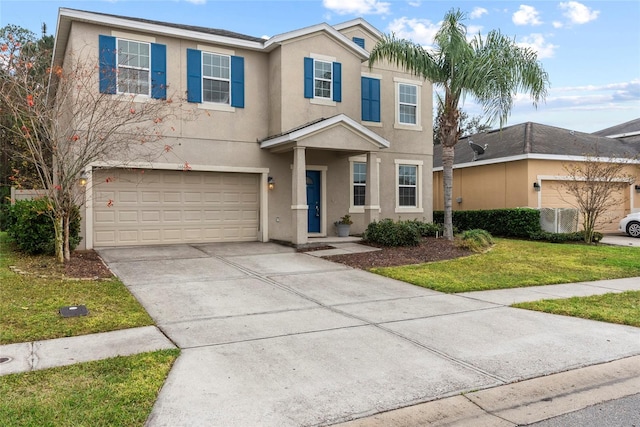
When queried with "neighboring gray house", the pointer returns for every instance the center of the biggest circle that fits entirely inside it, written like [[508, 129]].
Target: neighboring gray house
[[292, 127]]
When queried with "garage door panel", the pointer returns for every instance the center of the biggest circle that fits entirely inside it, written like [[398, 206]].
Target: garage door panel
[[155, 207]]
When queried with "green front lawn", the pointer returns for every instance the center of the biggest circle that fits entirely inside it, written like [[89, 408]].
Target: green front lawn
[[622, 308], [112, 392], [29, 304], [519, 263]]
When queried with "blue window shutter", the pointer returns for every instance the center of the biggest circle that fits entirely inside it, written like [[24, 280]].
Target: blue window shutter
[[308, 77], [365, 93], [107, 59], [370, 99], [375, 100], [194, 75], [237, 81], [337, 82], [359, 41], [158, 71]]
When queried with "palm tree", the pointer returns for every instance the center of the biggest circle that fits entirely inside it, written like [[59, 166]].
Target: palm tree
[[491, 70]]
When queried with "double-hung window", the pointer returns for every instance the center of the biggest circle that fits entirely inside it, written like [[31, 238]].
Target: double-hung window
[[216, 78], [407, 104], [409, 185], [132, 67], [359, 183], [134, 60], [322, 79]]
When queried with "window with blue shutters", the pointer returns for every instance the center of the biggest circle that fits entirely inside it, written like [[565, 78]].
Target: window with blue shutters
[[322, 79], [215, 78], [370, 91], [132, 67]]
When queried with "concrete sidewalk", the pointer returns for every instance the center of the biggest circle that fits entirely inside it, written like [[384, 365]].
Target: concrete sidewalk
[[274, 337]]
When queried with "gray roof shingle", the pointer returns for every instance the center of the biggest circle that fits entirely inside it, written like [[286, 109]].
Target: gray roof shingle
[[535, 138]]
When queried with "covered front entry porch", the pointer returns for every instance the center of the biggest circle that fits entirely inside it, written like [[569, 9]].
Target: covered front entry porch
[[310, 185]]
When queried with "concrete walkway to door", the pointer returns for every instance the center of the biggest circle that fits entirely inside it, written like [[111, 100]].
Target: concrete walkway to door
[[278, 338]]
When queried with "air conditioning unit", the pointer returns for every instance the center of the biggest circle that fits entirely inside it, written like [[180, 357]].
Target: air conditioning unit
[[559, 220]]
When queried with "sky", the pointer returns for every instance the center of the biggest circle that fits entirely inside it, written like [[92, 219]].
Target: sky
[[590, 49]]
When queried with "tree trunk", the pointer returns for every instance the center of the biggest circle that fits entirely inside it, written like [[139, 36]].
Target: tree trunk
[[447, 182], [67, 251], [58, 225]]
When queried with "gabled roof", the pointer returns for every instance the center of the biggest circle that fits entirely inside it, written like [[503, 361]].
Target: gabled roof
[[535, 141], [292, 137], [191, 32], [623, 130], [359, 22]]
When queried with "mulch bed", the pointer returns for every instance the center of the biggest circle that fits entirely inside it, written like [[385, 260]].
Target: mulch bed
[[86, 264], [429, 250]]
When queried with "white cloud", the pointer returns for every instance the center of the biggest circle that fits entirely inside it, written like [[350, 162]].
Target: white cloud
[[477, 12], [526, 15], [196, 1], [357, 7], [421, 31], [577, 13], [415, 3], [557, 24], [537, 42]]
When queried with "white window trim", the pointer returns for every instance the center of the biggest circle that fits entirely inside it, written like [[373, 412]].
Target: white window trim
[[359, 159], [132, 37], [138, 95], [323, 98], [220, 106], [419, 190], [418, 125]]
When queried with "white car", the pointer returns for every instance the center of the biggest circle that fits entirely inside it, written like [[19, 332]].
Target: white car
[[630, 224]]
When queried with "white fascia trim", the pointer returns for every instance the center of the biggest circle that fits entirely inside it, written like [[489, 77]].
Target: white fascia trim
[[324, 124], [624, 135], [277, 40], [157, 29], [573, 178], [556, 157], [356, 22], [176, 167]]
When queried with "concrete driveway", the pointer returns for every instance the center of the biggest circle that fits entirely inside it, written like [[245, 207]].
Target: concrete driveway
[[272, 337]]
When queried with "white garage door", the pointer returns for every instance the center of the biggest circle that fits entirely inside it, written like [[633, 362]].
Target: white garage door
[[146, 207]]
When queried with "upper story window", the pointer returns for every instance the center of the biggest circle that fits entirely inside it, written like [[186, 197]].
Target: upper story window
[[134, 61], [322, 73], [407, 104], [215, 79], [132, 67], [323, 80], [216, 75]]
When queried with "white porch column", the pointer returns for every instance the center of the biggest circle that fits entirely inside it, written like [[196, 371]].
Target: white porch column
[[299, 207], [372, 193]]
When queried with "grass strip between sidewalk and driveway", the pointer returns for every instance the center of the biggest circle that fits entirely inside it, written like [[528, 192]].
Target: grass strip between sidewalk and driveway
[[113, 392], [622, 308], [521, 263], [29, 304]]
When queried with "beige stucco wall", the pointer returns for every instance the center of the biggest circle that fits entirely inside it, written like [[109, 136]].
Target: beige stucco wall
[[510, 185], [274, 102]]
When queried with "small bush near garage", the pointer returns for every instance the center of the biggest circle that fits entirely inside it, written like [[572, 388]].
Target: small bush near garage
[[578, 236], [30, 226], [475, 240], [518, 222], [426, 229]]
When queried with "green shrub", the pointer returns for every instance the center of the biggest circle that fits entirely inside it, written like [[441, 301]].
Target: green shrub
[[31, 227], [386, 232], [426, 229], [577, 236], [518, 222], [476, 240]]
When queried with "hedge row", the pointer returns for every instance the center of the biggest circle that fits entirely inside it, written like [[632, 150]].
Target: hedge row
[[519, 222]]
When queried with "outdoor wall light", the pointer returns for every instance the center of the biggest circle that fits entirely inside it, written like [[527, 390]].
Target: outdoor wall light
[[637, 187], [83, 179], [271, 183], [536, 186]]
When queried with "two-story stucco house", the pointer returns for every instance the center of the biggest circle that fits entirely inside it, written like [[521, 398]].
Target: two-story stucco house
[[290, 133]]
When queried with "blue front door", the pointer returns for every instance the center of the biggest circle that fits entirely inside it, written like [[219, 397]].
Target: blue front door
[[313, 200]]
